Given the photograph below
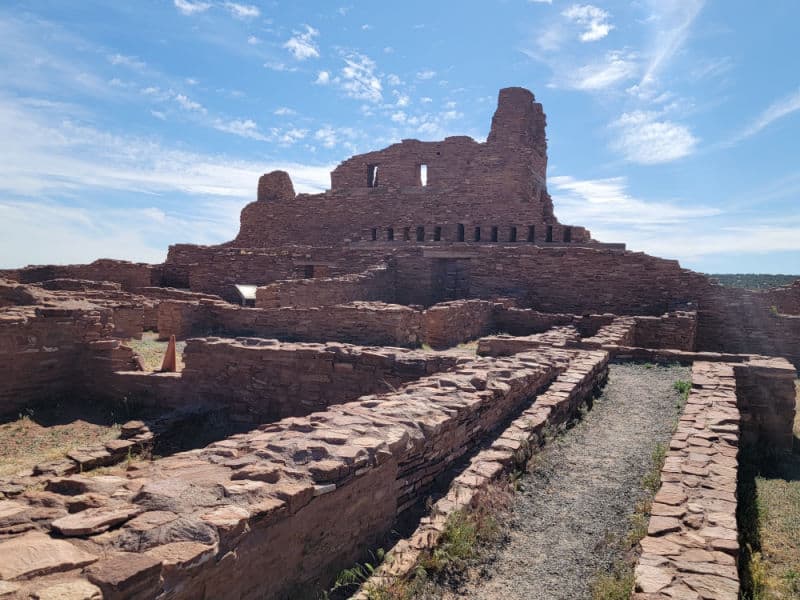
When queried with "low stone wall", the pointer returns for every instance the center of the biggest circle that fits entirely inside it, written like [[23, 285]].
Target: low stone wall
[[451, 323], [587, 371], [131, 276], [276, 512], [506, 345], [691, 548], [260, 381], [692, 545], [676, 330], [526, 321], [374, 284], [365, 323]]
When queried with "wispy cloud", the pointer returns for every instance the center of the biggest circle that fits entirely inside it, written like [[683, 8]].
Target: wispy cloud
[[323, 78], [777, 110], [672, 20], [188, 7], [426, 74], [643, 137], [594, 20], [243, 11], [616, 67], [188, 104], [127, 61], [302, 45], [246, 128], [359, 79]]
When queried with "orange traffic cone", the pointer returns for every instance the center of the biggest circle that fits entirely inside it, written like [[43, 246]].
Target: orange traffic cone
[[170, 364]]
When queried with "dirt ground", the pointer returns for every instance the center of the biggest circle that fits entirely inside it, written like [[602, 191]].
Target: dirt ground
[[581, 490], [47, 433], [152, 350]]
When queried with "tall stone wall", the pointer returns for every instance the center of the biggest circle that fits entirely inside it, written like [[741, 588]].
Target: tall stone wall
[[451, 323], [382, 196]]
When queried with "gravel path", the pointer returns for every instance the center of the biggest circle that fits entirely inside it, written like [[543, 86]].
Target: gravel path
[[582, 489]]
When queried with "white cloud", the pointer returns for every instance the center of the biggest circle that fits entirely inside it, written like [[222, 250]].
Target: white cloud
[[188, 7], [158, 115], [188, 104], [399, 117], [541, 1], [673, 20], [246, 128], [127, 61], [594, 20], [279, 66], [614, 68], [292, 135], [323, 78], [426, 74], [253, 40], [403, 100], [359, 79], [644, 139], [47, 156], [243, 11], [283, 111], [327, 136], [393, 80], [366, 27], [302, 45], [777, 110], [426, 100]]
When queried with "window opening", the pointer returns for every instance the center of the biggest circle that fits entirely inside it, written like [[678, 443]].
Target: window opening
[[423, 175], [512, 236], [494, 234], [374, 234], [549, 237], [372, 176], [568, 234], [406, 233], [390, 234], [420, 234], [460, 232], [531, 233], [437, 234], [477, 235]]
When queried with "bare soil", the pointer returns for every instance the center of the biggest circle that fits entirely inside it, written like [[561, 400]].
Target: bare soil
[[152, 350], [577, 499]]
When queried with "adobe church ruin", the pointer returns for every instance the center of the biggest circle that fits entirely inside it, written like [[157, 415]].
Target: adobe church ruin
[[347, 420]]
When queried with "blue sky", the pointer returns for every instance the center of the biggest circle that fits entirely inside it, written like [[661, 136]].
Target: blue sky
[[673, 125]]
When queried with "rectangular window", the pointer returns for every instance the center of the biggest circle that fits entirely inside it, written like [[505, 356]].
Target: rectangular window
[[531, 233], [437, 234], [423, 175], [374, 234], [420, 234], [406, 233], [372, 176], [390, 234], [512, 236], [308, 271], [460, 232], [494, 234], [549, 237], [567, 234], [477, 235]]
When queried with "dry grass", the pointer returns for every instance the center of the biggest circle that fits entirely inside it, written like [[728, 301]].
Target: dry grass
[[775, 568], [35, 438], [152, 350]]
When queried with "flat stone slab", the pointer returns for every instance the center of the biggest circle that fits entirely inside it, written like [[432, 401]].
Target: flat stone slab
[[80, 589], [95, 520], [36, 553]]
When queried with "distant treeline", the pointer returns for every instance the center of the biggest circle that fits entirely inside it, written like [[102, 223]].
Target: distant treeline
[[753, 281]]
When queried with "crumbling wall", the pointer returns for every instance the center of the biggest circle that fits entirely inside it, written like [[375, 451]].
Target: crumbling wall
[[468, 185], [131, 276], [255, 509], [677, 329], [42, 351], [451, 323], [374, 284]]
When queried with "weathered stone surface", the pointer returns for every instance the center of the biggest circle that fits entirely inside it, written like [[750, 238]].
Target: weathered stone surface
[[79, 589], [126, 576], [35, 553], [95, 520]]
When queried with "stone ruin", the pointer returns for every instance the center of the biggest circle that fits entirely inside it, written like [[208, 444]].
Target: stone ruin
[[330, 332]]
